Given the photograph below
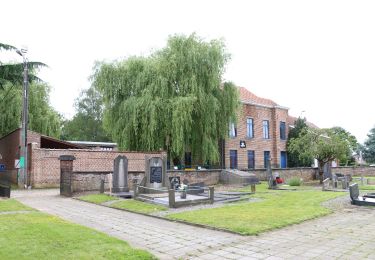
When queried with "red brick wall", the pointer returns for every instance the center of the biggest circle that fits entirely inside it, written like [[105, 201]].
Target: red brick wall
[[275, 145], [9, 150], [355, 170], [45, 167], [307, 174]]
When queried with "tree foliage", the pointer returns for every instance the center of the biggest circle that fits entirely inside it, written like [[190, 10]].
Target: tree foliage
[[369, 147], [321, 144], [352, 147], [173, 99], [87, 123], [42, 117], [13, 72], [295, 158]]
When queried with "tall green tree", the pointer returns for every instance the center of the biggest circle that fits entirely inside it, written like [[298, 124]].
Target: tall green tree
[[295, 158], [42, 117], [369, 147], [321, 144], [346, 136], [87, 123], [173, 99], [13, 72]]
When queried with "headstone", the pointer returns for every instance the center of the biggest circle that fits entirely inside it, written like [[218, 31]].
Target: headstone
[[271, 181], [175, 182], [327, 172], [120, 175], [354, 191], [155, 172], [326, 184]]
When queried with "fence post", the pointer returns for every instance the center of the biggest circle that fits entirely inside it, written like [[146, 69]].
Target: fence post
[[171, 197], [211, 188]]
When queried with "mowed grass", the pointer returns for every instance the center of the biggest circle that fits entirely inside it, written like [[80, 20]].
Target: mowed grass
[[12, 205], [127, 204], [37, 235], [366, 187], [277, 209], [138, 206], [97, 198]]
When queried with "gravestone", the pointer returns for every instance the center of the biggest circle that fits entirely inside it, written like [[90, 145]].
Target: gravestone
[[120, 175], [156, 172], [327, 172], [271, 181], [174, 182]]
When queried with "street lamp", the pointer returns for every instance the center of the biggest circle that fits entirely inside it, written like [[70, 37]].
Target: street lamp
[[25, 95]]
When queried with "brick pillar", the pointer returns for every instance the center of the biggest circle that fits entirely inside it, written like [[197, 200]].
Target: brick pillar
[[66, 170]]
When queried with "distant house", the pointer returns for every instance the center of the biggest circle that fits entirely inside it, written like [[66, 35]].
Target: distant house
[[44, 152], [260, 133]]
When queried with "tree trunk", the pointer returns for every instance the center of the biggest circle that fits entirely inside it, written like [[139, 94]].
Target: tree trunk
[[320, 168]]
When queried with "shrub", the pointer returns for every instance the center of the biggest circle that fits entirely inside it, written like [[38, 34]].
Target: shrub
[[294, 182]]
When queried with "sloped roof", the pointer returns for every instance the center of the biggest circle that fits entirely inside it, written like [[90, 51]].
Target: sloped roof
[[248, 97]]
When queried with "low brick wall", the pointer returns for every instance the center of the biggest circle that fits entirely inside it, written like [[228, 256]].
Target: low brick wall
[[45, 166], [307, 174], [209, 177], [89, 181], [355, 170]]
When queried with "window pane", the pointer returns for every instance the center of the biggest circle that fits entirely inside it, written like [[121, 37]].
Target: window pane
[[249, 128], [266, 158], [266, 129], [250, 159], [233, 159], [232, 130], [282, 131]]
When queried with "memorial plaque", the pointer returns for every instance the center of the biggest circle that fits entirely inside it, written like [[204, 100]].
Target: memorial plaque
[[156, 174]]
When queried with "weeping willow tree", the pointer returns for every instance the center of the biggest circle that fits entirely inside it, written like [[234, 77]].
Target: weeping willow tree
[[173, 99], [42, 117]]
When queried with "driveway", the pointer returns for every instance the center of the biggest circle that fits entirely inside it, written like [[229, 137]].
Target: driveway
[[349, 233]]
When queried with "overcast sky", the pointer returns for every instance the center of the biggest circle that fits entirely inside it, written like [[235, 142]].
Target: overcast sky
[[312, 56]]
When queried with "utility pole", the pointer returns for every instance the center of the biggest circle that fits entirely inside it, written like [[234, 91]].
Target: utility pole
[[25, 105]]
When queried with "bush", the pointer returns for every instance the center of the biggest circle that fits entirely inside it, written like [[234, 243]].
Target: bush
[[294, 182]]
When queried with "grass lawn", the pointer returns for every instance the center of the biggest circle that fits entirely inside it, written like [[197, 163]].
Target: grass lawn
[[276, 210], [12, 205], [37, 235], [98, 198], [366, 187], [137, 206], [128, 204]]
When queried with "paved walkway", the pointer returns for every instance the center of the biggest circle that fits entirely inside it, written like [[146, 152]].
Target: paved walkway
[[347, 234]]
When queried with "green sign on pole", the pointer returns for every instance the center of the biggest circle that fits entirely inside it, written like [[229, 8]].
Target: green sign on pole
[[22, 162]]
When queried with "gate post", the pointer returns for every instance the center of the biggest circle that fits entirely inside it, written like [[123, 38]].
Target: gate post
[[66, 170]]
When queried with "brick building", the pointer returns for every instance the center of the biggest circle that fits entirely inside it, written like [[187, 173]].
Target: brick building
[[44, 153], [260, 133]]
